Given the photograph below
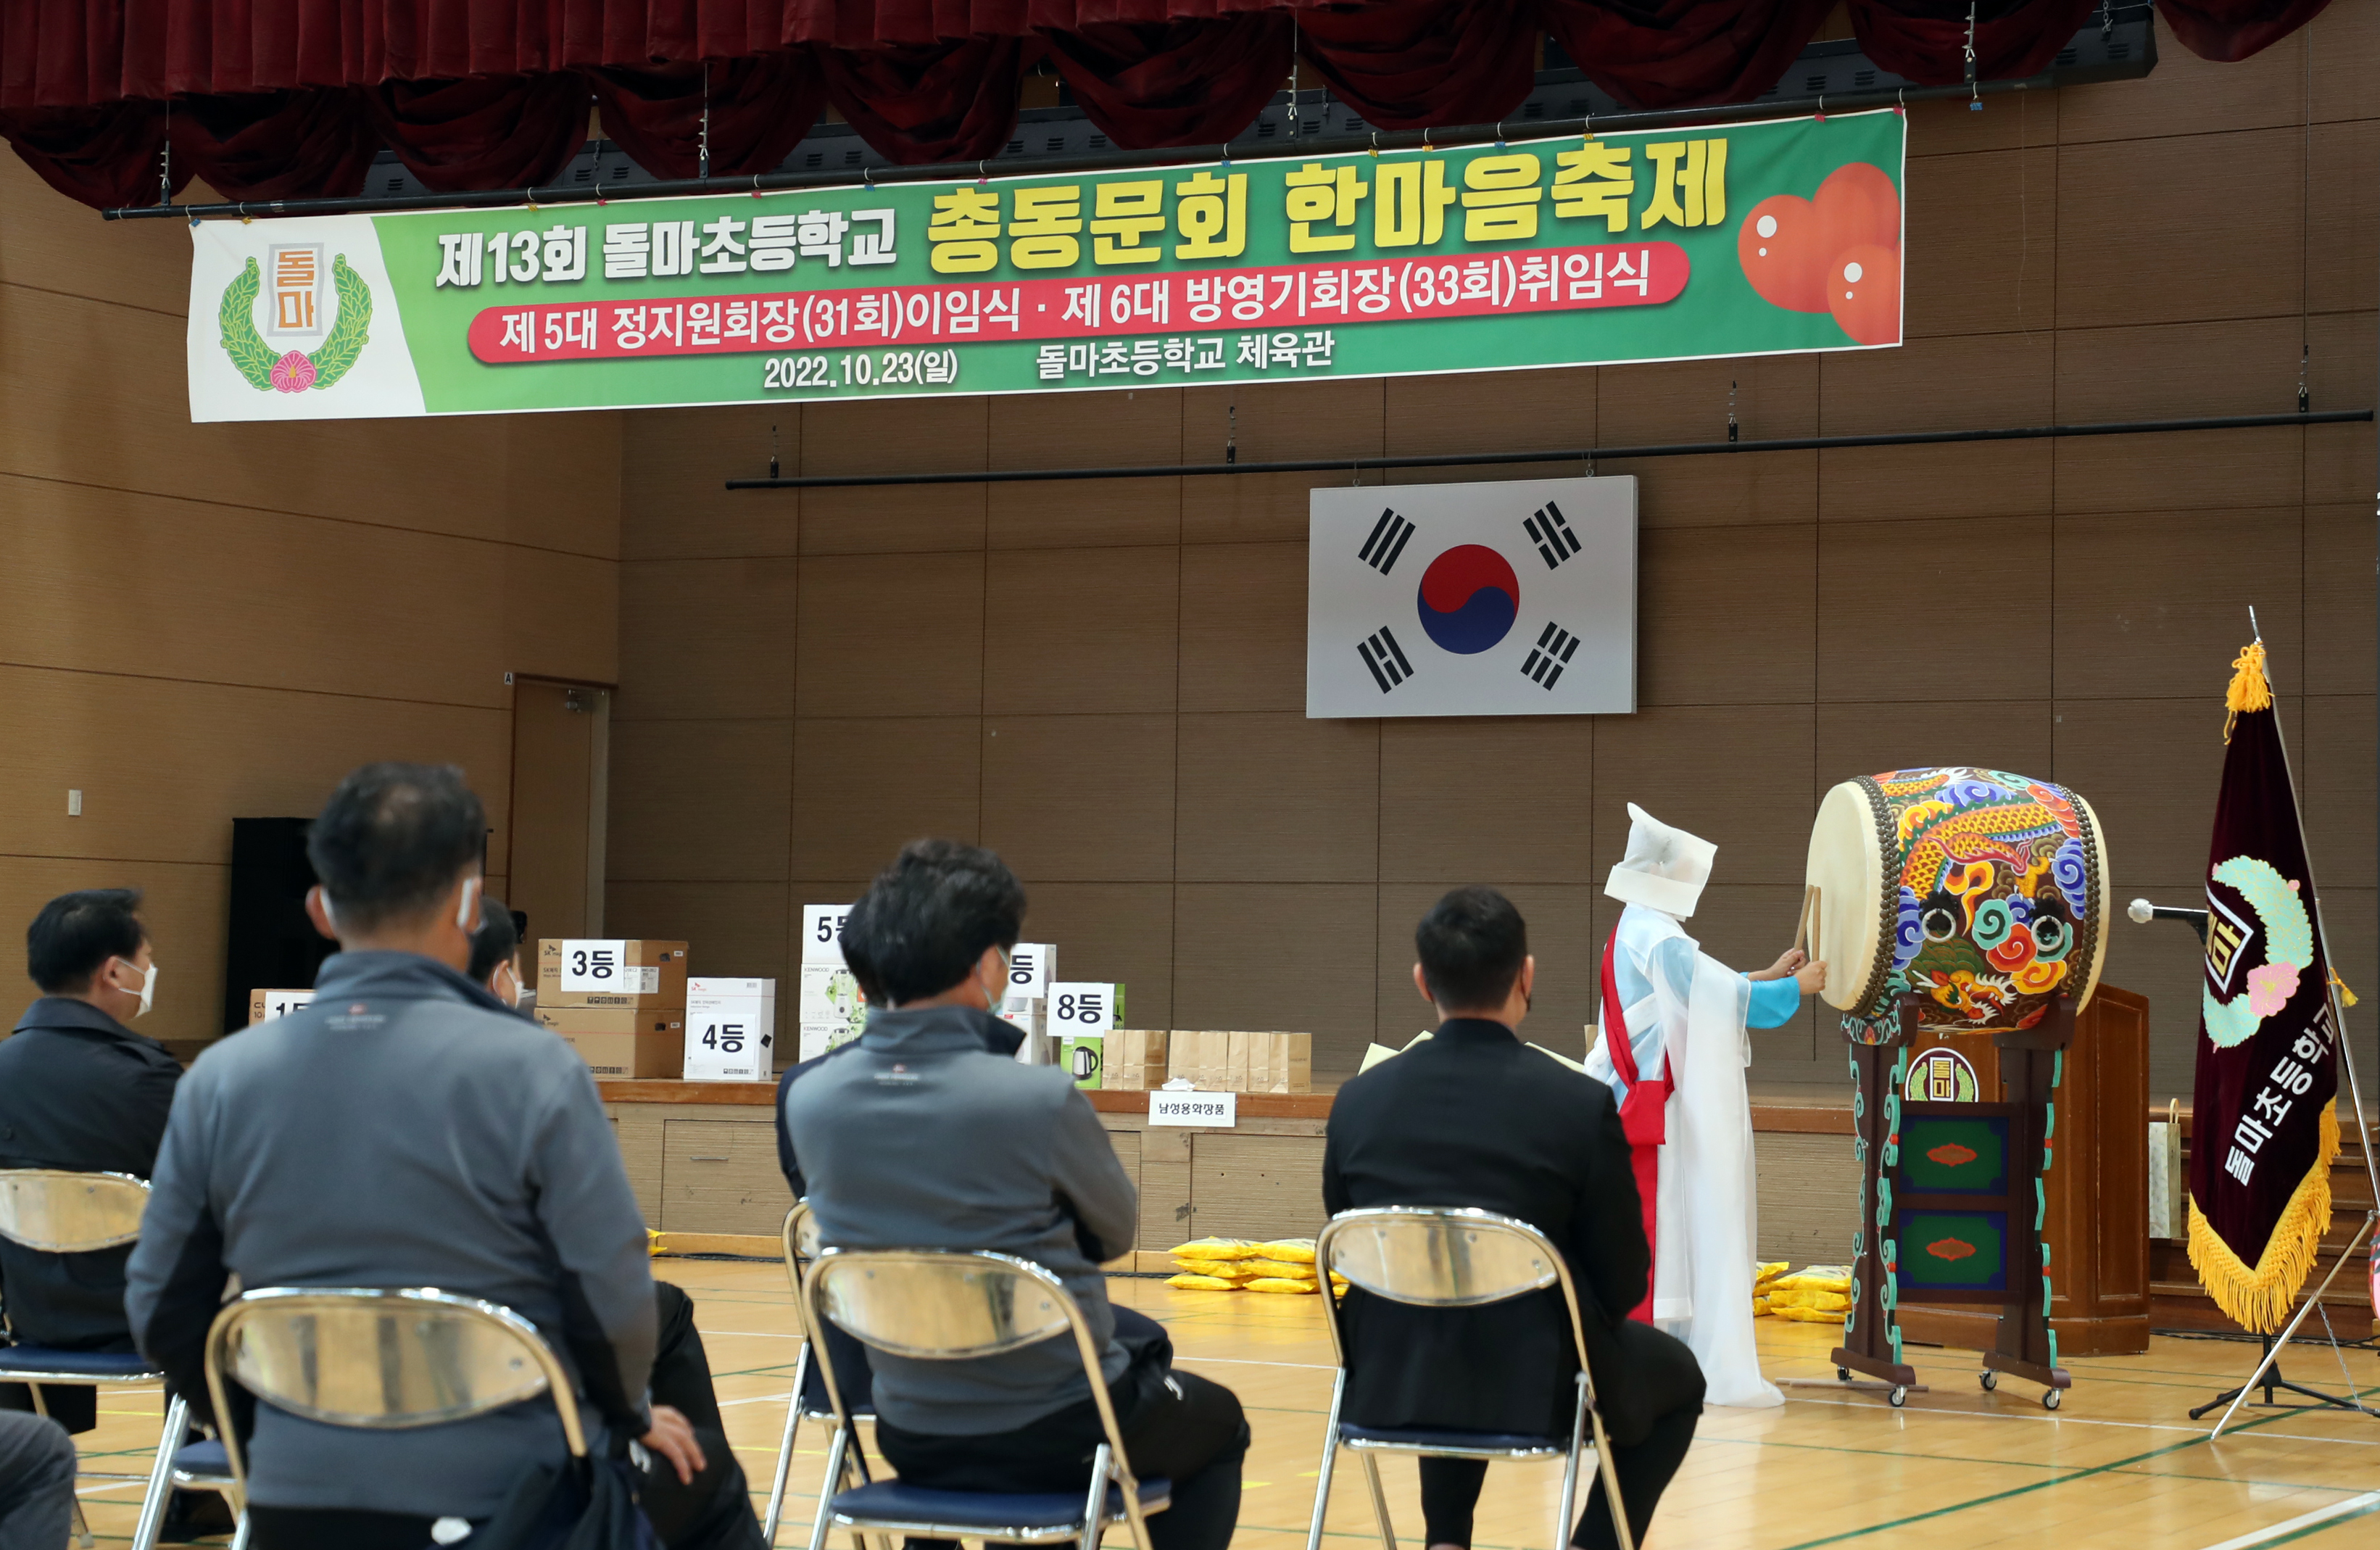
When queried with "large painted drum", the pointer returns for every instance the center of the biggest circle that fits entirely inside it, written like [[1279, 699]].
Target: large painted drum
[[1984, 892]]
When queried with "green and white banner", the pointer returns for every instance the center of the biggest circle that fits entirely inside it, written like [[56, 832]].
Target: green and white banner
[[1743, 239]]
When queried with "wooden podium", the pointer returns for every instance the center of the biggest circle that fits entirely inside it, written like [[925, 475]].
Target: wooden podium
[[1963, 1210]]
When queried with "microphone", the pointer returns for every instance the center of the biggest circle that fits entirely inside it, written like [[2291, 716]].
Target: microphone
[[2142, 911]]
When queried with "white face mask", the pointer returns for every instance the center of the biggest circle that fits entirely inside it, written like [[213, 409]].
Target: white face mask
[[506, 976], [148, 991]]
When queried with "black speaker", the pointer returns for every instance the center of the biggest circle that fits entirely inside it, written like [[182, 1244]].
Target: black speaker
[[271, 944]]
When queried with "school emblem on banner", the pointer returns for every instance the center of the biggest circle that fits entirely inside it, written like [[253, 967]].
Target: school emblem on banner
[[296, 313], [2264, 1127]]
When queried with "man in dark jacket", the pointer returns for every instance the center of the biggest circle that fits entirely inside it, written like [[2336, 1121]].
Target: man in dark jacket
[[80, 1091], [1473, 1116]]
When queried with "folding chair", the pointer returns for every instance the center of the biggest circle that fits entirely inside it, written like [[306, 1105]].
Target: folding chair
[[64, 1213], [808, 1401], [372, 1357], [949, 1305], [1435, 1257]]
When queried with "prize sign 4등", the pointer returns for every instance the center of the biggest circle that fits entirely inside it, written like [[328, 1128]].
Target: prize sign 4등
[[1673, 244]]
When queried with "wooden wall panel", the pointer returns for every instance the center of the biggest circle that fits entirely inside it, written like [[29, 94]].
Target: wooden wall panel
[[1081, 631], [2001, 379], [1724, 616], [184, 907], [1286, 956], [2190, 96], [1119, 933], [2180, 471], [1486, 412], [2245, 365], [1721, 491], [863, 788], [1085, 513], [736, 929], [2339, 557], [1046, 431], [1962, 479], [1256, 1186], [1808, 1206], [1867, 646], [1562, 938], [856, 661], [2246, 263], [1688, 400], [2155, 810], [1085, 798], [706, 638], [1871, 737], [675, 467], [1277, 798], [2158, 604], [1471, 799], [1742, 772], [1980, 242], [1243, 625], [699, 800]]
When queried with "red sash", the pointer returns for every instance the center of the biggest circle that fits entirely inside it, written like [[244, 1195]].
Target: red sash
[[1644, 1114]]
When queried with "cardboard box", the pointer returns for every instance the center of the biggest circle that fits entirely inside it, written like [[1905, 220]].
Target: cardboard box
[[731, 1030], [570, 1021], [1136, 1060], [611, 972], [641, 1057], [266, 1004]]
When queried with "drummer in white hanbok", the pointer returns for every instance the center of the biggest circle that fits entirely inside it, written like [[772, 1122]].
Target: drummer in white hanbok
[[1679, 1076]]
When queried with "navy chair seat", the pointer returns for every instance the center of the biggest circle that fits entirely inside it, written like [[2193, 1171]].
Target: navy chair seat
[[984, 1510], [1440, 1437], [203, 1457], [89, 1365]]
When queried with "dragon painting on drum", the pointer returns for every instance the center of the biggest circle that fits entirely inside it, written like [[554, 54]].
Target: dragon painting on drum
[[1985, 893]]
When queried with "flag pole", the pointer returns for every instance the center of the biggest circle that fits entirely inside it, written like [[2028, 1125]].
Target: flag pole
[[2355, 1088]]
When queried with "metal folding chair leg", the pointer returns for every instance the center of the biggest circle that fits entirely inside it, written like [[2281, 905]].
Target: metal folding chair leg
[[1569, 1471], [1380, 1499], [785, 1448], [160, 1477], [1329, 1462], [1610, 1472]]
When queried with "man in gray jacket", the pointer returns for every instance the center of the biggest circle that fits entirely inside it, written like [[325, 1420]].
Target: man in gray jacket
[[926, 1138], [404, 1130]]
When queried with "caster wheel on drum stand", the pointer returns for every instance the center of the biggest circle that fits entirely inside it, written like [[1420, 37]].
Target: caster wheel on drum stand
[[1899, 1396], [1842, 1375], [1990, 1380], [2052, 1398]]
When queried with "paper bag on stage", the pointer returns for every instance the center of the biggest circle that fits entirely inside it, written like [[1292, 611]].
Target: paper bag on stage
[[1284, 1063], [1238, 1047], [1135, 1060]]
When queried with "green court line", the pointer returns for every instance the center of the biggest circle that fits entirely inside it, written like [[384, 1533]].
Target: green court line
[[2020, 1490]]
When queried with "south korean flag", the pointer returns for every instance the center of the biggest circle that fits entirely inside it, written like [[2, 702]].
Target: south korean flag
[[1473, 600]]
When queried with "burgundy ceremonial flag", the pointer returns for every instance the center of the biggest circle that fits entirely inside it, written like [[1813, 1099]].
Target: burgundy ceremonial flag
[[2263, 1127]]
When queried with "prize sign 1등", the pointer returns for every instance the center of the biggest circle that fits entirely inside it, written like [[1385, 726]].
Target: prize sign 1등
[[1516, 599], [1759, 238]]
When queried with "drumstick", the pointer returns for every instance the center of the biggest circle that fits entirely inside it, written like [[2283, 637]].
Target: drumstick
[[1801, 927]]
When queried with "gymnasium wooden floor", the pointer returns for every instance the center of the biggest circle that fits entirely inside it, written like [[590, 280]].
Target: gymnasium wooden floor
[[2121, 1465]]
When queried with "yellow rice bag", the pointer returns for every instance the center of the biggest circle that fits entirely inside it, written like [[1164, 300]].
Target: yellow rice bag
[[1768, 1270], [1288, 1269], [1293, 1251], [1282, 1284], [1188, 1282], [1807, 1297], [1821, 1278], [1809, 1315], [1760, 1307], [1216, 1248]]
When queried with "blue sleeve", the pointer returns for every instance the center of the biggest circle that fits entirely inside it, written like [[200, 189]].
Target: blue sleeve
[[1774, 1002]]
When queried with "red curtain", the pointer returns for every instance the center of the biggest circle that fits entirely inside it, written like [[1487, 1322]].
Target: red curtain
[[288, 98], [760, 108], [1184, 83], [2229, 30], [1925, 39], [1665, 53], [1412, 64]]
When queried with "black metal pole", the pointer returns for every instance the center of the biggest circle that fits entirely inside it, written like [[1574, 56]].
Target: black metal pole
[[1517, 132], [1570, 454]]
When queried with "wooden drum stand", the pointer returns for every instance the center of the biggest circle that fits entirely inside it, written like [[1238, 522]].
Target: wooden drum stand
[[1974, 1194]]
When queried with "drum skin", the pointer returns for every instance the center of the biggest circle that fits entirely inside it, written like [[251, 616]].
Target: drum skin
[[1986, 892]]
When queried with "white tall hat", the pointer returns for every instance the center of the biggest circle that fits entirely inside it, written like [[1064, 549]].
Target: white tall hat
[[1665, 868]]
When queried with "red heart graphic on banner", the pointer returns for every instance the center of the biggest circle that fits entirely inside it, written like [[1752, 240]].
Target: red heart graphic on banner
[[1858, 207], [1864, 292], [1783, 251]]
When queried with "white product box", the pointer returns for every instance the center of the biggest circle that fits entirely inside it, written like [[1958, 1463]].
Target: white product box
[[1029, 1018], [833, 1012], [731, 1030], [1031, 966]]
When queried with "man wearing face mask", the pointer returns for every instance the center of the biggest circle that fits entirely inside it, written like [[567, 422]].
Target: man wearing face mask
[[409, 1129], [81, 1091]]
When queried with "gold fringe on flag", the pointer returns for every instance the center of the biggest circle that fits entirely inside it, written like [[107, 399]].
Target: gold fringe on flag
[[2250, 690], [2258, 1301]]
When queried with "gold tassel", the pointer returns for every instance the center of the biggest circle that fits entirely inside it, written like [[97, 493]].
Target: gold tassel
[[2346, 997], [2258, 1301], [2250, 690]]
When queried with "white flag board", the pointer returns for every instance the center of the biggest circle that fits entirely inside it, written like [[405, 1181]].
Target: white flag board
[[1515, 598]]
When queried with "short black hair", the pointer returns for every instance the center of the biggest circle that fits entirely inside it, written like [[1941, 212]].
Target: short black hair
[[496, 939], [393, 838], [927, 918], [75, 933], [1471, 945]]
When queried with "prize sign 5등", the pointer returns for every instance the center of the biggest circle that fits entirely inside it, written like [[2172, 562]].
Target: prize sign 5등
[[1737, 239]]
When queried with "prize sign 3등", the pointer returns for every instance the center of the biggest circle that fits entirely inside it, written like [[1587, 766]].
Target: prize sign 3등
[[1673, 244]]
